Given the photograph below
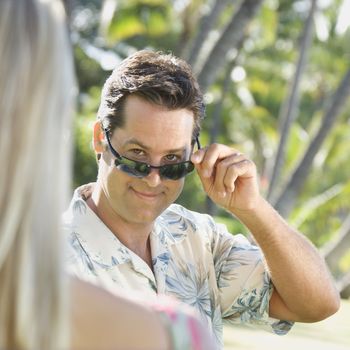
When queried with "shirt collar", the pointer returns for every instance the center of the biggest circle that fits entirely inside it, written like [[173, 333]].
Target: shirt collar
[[105, 249], [95, 237]]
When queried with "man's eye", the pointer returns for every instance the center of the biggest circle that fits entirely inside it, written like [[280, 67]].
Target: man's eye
[[136, 152], [172, 158]]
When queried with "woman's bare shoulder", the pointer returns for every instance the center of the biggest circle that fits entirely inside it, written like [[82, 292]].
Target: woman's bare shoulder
[[101, 320]]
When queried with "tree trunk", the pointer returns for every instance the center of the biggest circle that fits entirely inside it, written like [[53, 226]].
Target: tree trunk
[[228, 40], [285, 202], [343, 286], [106, 16], [207, 23], [189, 17], [334, 250], [290, 106]]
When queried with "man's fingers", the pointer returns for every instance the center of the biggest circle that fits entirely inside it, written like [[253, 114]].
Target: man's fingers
[[235, 171], [225, 174], [208, 157]]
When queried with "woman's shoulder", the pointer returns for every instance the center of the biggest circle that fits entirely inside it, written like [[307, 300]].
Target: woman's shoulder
[[101, 320]]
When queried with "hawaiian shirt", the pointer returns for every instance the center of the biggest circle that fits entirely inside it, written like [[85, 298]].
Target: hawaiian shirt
[[194, 259]]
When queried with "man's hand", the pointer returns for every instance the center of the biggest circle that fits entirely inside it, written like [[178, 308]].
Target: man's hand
[[228, 177]]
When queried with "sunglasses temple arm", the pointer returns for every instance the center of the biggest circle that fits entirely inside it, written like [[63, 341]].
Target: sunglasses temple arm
[[198, 143], [114, 152]]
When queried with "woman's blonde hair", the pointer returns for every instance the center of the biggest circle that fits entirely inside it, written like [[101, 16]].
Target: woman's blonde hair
[[36, 89]]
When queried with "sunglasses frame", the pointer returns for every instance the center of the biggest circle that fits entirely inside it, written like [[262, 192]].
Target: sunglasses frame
[[121, 160]]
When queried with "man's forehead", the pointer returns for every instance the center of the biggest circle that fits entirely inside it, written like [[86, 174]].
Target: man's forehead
[[144, 115], [134, 102], [153, 142]]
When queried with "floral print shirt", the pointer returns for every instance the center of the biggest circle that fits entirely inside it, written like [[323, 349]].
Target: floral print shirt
[[196, 260]]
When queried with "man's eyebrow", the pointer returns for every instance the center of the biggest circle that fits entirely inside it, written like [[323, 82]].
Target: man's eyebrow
[[136, 142]]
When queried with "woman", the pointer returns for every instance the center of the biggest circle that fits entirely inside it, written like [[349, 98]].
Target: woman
[[40, 307]]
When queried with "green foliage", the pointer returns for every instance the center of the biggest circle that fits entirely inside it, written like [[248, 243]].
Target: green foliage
[[88, 71], [233, 225], [268, 58], [139, 21], [264, 30], [344, 263], [193, 194], [85, 167]]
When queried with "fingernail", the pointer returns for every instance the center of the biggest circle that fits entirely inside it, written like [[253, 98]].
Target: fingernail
[[195, 158], [222, 194]]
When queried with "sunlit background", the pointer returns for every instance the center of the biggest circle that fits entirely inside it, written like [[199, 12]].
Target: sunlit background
[[276, 77]]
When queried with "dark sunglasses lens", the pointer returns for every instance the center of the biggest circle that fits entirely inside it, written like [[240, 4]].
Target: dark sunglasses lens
[[133, 168], [176, 171], [139, 169]]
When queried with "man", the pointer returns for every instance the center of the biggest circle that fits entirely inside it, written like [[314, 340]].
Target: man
[[127, 233]]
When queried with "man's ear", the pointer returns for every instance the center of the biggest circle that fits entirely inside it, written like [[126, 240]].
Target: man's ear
[[98, 138]]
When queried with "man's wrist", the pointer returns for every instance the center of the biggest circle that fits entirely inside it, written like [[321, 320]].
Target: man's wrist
[[252, 210]]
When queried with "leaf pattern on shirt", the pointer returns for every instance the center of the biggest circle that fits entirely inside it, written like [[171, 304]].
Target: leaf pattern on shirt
[[162, 258], [281, 327], [230, 268], [216, 324], [182, 222], [189, 284], [79, 207], [252, 304], [230, 257], [166, 237], [81, 255]]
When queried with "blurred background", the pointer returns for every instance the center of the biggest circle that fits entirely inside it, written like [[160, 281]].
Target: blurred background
[[276, 78]]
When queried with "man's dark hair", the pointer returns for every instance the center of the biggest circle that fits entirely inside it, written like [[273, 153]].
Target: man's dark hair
[[158, 78]]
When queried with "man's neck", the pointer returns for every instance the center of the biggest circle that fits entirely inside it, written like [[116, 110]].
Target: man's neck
[[133, 235]]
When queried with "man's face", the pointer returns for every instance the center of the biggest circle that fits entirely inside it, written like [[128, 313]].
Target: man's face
[[153, 135]]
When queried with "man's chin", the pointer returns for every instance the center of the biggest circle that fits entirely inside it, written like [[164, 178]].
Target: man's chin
[[143, 216], [147, 217]]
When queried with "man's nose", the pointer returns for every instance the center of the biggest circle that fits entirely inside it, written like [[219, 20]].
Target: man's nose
[[153, 179]]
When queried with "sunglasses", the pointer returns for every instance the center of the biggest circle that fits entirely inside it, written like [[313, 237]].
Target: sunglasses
[[139, 169]]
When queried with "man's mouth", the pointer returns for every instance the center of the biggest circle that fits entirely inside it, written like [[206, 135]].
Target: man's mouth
[[149, 196]]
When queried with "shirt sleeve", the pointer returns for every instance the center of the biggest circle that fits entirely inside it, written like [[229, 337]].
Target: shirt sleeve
[[243, 281]]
